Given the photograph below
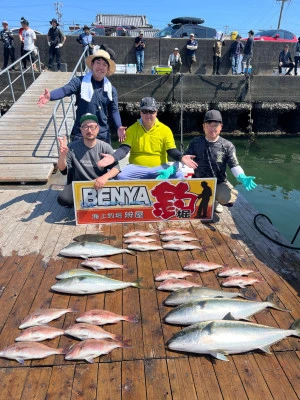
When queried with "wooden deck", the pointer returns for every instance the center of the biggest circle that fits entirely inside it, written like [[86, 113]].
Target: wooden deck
[[34, 228], [28, 149]]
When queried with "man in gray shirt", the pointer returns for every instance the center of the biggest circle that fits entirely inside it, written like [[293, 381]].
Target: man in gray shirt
[[79, 160]]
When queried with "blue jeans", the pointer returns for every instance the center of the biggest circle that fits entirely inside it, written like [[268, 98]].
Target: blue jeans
[[235, 61], [140, 60], [136, 172]]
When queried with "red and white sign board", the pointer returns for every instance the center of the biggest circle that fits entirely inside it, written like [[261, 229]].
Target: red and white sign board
[[149, 200]]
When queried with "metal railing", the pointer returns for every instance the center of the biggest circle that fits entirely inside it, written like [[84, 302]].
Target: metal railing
[[34, 67]]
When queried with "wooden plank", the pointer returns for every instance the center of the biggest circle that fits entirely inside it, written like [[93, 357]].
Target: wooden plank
[[9, 161], [61, 381], [85, 382], [26, 172], [12, 381], [133, 380], [181, 379], [109, 383], [157, 380], [37, 383], [290, 364]]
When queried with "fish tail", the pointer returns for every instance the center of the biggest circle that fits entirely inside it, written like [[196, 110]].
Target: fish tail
[[118, 338], [72, 310], [132, 318], [125, 267], [273, 299], [245, 293], [63, 350], [296, 326], [125, 343]]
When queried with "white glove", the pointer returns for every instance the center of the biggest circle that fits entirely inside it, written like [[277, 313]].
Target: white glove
[[49, 44], [60, 45]]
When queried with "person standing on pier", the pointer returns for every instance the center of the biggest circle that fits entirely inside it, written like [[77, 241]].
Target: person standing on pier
[[94, 94], [56, 40], [79, 160], [86, 40], [140, 44], [29, 39], [236, 51], [248, 53], [8, 45], [210, 155], [217, 51], [297, 55], [191, 48]]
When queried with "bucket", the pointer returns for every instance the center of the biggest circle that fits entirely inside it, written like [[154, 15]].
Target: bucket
[[233, 35]]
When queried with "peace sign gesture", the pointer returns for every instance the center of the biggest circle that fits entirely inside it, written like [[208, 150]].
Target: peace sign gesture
[[63, 145]]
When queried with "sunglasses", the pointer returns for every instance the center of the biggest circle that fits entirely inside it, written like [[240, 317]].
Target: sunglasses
[[148, 112]]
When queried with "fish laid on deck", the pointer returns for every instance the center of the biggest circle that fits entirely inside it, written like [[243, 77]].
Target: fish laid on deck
[[93, 237], [91, 284], [222, 337], [75, 272], [103, 317], [182, 238], [177, 245], [171, 285], [91, 249], [139, 239], [43, 316], [144, 246], [240, 281], [218, 308], [29, 351], [172, 274], [234, 271], [39, 333], [187, 295], [101, 263], [174, 231], [92, 348], [85, 331], [139, 233], [201, 266]]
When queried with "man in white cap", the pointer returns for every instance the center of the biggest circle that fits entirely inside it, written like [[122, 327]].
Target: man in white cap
[[174, 61], [79, 160], [191, 47], [210, 155], [95, 94], [140, 44]]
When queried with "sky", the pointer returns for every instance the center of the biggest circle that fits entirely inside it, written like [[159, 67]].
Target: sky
[[226, 16]]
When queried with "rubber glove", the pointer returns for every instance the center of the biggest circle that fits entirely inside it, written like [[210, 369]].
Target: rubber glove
[[49, 44], [247, 181], [166, 173]]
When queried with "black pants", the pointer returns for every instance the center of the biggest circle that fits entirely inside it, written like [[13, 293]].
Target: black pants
[[286, 65], [297, 61], [65, 197], [8, 52], [216, 64], [29, 56], [54, 52]]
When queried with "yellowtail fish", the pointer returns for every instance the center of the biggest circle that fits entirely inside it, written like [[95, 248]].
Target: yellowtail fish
[[75, 272], [222, 337]]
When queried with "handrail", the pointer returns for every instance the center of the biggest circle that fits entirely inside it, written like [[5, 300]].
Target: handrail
[[34, 66]]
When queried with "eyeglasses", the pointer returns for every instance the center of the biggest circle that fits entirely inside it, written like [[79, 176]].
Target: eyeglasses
[[148, 112], [85, 128]]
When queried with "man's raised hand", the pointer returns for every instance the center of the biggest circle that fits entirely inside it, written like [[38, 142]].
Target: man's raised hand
[[44, 98], [63, 145]]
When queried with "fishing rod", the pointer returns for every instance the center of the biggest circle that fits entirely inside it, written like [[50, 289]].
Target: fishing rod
[[273, 240], [181, 114]]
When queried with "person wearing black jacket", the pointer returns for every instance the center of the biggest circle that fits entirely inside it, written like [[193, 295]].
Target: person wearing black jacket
[[9, 46], [56, 40], [285, 60]]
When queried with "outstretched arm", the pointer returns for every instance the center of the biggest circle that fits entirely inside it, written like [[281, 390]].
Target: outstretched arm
[[101, 181], [44, 98]]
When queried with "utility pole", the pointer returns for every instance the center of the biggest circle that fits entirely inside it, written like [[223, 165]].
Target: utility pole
[[57, 11], [281, 9]]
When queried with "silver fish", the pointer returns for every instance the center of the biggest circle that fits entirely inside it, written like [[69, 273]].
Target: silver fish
[[28, 351], [39, 333], [176, 245], [218, 308], [201, 266], [222, 337], [102, 317], [91, 249], [84, 331], [139, 239], [144, 246], [93, 237], [139, 233], [172, 274], [182, 238], [75, 272], [43, 316], [171, 285], [234, 271], [183, 296], [101, 263], [174, 231], [92, 348], [91, 284]]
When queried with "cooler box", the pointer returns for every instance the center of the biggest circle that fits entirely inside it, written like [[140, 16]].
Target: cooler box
[[162, 69], [120, 69], [130, 68]]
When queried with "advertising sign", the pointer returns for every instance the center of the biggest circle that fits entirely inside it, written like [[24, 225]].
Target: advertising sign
[[149, 200]]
